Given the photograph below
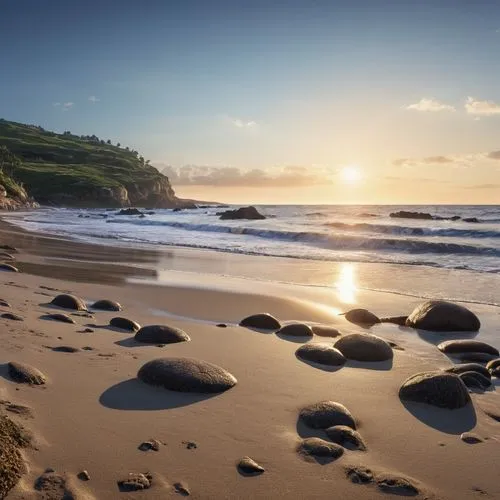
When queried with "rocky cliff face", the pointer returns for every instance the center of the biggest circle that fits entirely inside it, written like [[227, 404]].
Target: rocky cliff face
[[17, 201]]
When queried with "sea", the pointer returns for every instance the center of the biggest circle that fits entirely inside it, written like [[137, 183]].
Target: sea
[[466, 255]]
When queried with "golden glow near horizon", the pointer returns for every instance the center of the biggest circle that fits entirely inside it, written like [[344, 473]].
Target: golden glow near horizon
[[346, 283], [350, 174]]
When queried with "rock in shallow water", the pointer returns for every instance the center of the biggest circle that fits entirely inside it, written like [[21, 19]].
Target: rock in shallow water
[[161, 334], [346, 437], [317, 447], [26, 374], [362, 317], [461, 346], [295, 330], [326, 414], [441, 389], [250, 466], [125, 324], [186, 375], [106, 305], [442, 316], [67, 301], [321, 353], [364, 347], [262, 321]]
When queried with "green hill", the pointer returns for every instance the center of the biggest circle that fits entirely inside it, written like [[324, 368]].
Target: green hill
[[69, 170]]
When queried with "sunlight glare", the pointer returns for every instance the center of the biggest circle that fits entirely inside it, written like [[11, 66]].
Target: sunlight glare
[[350, 174], [346, 284]]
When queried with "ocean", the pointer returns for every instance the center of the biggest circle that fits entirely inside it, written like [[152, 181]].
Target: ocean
[[319, 234]]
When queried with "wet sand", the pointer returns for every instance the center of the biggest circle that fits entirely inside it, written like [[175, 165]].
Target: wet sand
[[92, 414]]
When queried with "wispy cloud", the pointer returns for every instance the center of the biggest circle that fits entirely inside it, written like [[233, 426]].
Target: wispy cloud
[[484, 186], [475, 106], [428, 160], [242, 123], [93, 99], [67, 106], [429, 105]]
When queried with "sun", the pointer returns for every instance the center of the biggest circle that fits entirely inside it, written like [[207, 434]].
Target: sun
[[350, 174]]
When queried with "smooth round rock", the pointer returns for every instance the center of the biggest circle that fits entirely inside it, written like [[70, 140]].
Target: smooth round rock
[[361, 317], [125, 324], [12, 316], [106, 305], [296, 330], [461, 346], [317, 447], [474, 380], [441, 389], [26, 374], [186, 375], [67, 301], [364, 347], [469, 367], [474, 357], [346, 437], [322, 353], [161, 334], [493, 364], [325, 331], [470, 438], [250, 466], [442, 316], [9, 268], [326, 414], [263, 321], [64, 318]]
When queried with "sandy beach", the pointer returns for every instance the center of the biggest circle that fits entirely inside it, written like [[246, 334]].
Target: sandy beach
[[92, 413]]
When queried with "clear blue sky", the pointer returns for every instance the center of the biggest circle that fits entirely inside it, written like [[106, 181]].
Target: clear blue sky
[[319, 85]]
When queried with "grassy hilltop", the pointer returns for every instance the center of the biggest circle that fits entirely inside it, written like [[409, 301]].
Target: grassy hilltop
[[65, 169]]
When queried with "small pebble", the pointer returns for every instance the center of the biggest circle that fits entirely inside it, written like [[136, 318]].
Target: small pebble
[[84, 476], [470, 438], [190, 445]]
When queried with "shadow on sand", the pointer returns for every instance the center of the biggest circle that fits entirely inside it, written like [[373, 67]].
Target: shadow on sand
[[436, 338], [133, 394], [370, 365], [319, 366]]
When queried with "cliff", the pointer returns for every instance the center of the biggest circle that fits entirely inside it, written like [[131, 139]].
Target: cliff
[[69, 170]]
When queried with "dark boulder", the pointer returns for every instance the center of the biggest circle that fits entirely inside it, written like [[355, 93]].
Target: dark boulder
[[129, 211], [125, 324], [442, 316], [474, 380], [26, 374], [186, 375], [250, 213], [12, 316], [364, 347], [468, 367], [441, 389], [295, 330], [492, 366], [322, 353], [361, 317], [346, 437], [263, 321], [404, 214], [9, 268], [67, 301], [106, 305], [471, 219], [326, 414], [461, 346], [161, 334]]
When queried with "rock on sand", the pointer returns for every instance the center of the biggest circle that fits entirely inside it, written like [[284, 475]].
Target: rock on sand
[[249, 466], [321, 353], [106, 305], [67, 301], [262, 321], [295, 330], [364, 347], [186, 375], [361, 317], [326, 414], [26, 374], [8, 267], [325, 331], [161, 334], [346, 437], [125, 324], [474, 380], [461, 346], [135, 481], [319, 448], [64, 318], [469, 367], [442, 316], [441, 389]]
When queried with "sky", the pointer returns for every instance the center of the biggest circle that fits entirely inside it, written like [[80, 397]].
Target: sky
[[375, 101]]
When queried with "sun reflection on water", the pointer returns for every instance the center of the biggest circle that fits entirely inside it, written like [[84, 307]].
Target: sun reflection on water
[[346, 283]]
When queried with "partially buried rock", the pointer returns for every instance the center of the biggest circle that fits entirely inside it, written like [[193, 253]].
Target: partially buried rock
[[152, 444], [12, 316], [262, 321], [249, 466], [9, 268], [186, 375], [26, 374], [321, 353], [296, 330], [396, 320], [84, 475], [161, 334], [364, 347], [470, 438], [469, 367], [346, 437], [326, 414], [106, 305], [67, 301], [325, 331], [66, 348], [64, 318], [182, 489], [4, 303], [359, 474], [125, 324], [6, 256], [361, 317], [319, 449], [461, 346], [474, 380], [441, 389], [135, 481], [442, 316], [396, 485]]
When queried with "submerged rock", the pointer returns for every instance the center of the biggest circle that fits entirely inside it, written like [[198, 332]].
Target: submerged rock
[[346, 437], [67, 301], [250, 213], [129, 211], [250, 466], [364, 347], [441, 389], [461, 346], [186, 375], [326, 414], [26, 374], [262, 321], [125, 324], [404, 214], [106, 305], [442, 316], [361, 317], [296, 330], [161, 334], [321, 353]]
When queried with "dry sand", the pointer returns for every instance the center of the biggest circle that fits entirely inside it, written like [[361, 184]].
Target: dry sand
[[93, 414]]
